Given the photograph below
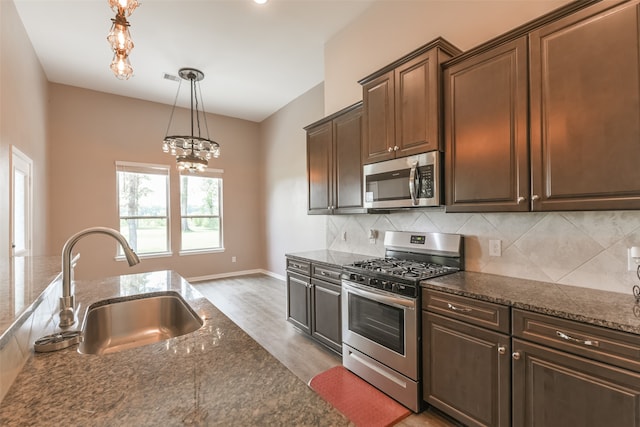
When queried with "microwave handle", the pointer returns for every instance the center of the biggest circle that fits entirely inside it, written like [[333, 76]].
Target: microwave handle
[[412, 183]]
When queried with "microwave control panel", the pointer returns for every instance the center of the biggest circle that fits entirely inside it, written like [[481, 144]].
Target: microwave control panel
[[425, 177]]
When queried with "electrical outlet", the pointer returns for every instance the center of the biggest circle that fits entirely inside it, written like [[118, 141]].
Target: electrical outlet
[[495, 247], [633, 258], [233, 259]]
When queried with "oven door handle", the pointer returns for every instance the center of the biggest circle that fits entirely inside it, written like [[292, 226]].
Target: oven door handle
[[412, 183], [378, 296]]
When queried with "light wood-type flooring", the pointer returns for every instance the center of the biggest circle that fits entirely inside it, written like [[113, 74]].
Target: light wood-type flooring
[[257, 304]]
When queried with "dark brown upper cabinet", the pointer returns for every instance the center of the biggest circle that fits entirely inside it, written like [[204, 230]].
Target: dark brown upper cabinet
[[486, 139], [585, 110], [334, 168], [401, 115], [561, 133]]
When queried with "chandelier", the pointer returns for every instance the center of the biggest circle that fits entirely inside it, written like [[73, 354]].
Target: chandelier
[[192, 152], [119, 38]]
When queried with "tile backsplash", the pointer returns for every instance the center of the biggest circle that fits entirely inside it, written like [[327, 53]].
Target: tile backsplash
[[587, 249]]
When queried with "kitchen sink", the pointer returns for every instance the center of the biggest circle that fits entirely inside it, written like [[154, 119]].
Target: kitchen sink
[[122, 323]]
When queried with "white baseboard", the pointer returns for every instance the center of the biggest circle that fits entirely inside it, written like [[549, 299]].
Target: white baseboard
[[233, 274]]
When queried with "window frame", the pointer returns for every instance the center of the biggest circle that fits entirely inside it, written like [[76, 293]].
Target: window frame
[[207, 173], [151, 169]]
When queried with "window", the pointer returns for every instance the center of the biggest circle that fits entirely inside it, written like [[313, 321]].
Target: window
[[143, 200], [201, 211]]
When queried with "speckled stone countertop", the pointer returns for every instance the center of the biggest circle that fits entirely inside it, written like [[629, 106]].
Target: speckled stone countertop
[[334, 258], [22, 281], [611, 310], [217, 375]]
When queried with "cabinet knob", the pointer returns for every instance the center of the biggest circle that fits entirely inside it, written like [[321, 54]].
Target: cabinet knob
[[516, 355], [390, 149], [520, 199], [396, 148], [502, 349], [535, 197]]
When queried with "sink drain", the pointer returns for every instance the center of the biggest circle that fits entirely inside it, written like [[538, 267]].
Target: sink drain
[[57, 341]]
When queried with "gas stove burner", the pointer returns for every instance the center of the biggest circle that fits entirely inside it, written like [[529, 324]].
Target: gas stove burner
[[404, 268]]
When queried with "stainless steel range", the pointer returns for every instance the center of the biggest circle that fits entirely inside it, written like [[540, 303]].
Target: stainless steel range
[[381, 322]]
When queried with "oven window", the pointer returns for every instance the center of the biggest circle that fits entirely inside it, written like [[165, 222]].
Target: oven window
[[378, 322]]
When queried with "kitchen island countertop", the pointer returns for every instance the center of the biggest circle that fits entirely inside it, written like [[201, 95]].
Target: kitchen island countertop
[[217, 375]]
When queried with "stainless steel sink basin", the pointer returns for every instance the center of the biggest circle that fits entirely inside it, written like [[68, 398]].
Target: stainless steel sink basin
[[122, 323]]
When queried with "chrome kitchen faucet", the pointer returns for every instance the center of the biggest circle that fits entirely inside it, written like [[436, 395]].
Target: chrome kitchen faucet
[[67, 301]]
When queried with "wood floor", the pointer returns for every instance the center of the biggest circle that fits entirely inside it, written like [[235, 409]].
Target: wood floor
[[257, 303]]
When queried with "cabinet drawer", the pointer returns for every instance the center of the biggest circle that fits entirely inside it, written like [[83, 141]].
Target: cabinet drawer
[[325, 272], [298, 266], [481, 313], [613, 347]]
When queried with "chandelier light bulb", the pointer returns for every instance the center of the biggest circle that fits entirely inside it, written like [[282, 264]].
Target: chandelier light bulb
[[123, 7], [119, 37], [121, 66]]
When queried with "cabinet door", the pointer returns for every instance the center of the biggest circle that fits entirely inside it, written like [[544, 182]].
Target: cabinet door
[[466, 371], [299, 301], [552, 388], [486, 107], [347, 131], [585, 110], [378, 119], [417, 105], [327, 314], [319, 172]]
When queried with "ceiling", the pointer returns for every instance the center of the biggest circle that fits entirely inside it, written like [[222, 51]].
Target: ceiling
[[256, 58]]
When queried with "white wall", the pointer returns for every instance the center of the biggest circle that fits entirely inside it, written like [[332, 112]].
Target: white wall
[[288, 228], [23, 123]]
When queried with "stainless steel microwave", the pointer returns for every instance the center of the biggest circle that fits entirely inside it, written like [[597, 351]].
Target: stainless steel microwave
[[406, 182]]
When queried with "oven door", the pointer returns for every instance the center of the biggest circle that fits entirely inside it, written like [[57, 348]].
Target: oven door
[[382, 326]]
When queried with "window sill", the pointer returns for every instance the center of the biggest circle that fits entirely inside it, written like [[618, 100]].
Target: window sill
[[201, 251]]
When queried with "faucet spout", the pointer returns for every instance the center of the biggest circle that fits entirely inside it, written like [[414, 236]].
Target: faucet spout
[[67, 301]]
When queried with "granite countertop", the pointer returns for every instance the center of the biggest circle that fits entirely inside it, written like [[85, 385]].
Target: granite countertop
[[22, 281], [334, 258], [217, 375], [611, 310]]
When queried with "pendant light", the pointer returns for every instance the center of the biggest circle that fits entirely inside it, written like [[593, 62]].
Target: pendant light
[[119, 38], [193, 151]]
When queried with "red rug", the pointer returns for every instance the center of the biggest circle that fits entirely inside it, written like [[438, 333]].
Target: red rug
[[358, 400]]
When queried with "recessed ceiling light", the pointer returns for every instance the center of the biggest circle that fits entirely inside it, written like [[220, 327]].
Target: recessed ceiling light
[[260, 1]]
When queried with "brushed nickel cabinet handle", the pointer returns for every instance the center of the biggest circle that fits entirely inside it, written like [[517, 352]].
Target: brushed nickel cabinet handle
[[396, 148], [502, 349], [390, 149], [535, 197], [516, 355], [591, 343], [520, 199], [461, 309]]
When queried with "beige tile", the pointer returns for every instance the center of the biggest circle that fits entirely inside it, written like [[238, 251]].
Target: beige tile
[[607, 227], [557, 246]]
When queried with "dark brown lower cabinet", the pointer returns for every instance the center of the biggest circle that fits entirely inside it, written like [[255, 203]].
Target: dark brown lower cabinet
[[299, 301], [326, 314], [555, 388], [313, 301], [467, 371]]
